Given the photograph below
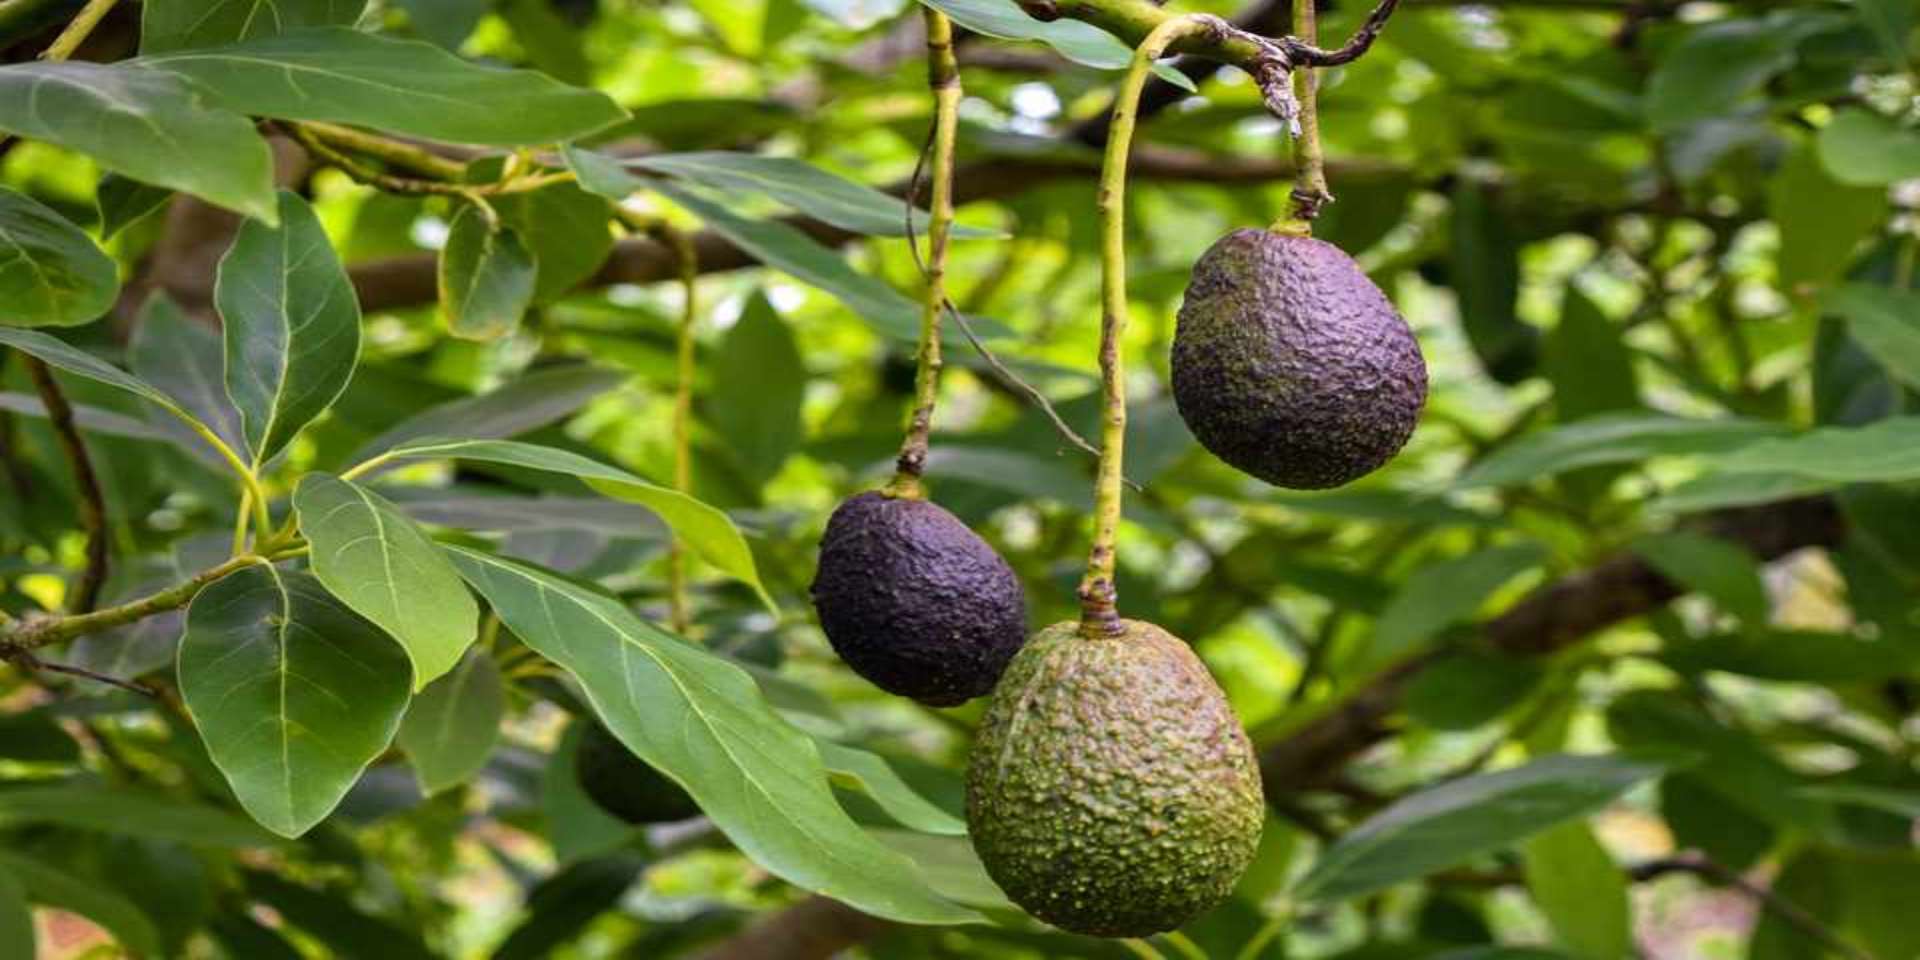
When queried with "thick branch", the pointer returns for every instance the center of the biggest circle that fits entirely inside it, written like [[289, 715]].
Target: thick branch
[[1551, 618], [31, 634]]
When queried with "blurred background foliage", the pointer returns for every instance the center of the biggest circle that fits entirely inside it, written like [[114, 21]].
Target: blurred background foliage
[[1660, 256]]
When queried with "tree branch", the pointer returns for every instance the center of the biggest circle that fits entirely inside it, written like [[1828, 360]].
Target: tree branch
[[93, 503]]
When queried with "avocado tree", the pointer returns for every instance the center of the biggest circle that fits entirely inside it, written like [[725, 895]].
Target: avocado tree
[[564, 479]]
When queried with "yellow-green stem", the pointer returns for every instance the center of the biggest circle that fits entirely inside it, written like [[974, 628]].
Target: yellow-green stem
[[679, 609], [1310, 168], [394, 152], [43, 632], [77, 30], [943, 80], [1099, 613]]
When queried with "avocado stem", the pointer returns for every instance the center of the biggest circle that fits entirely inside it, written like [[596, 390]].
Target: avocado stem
[[943, 80], [1099, 600], [1310, 191], [679, 609]]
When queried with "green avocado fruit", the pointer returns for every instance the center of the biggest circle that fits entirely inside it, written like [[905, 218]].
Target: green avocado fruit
[[1290, 365], [1111, 791], [625, 785]]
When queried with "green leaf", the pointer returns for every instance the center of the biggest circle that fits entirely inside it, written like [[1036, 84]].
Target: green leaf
[[1717, 568], [565, 229], [184, 24], [119, 810], [1885, 322], [950, 866], [1588, 361], [1485, 273], [562, 905], [1443, 825], [486, 278], [376, 561], [51, 886], [1713, 491], [705, 530], [186, 359], [1794, 656], [1027, 475], [292, 326], [447, 23], [35, 736], [1864, 149], [75, 361], [576, 826], [870, 774], [1581, 890], [333, 920], [1821, 221], [1081, 42], [149, 126], [1715, 66], [123, 202], [17, 938], [51, 274], [1611, 438], [1884, 450], [702, 721], [539, 398], [761, 381], [293, 693], [1742, 770], [1442, 594], [1891, 22], [796, 184], [786, 249], [553, 44], [451, 727], [402, 86]]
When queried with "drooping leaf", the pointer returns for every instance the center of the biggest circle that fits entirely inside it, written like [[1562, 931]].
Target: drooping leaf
[[761, 424], [1612, 438], [376, 561], [870, 774], [124, 201], [73, 360], [151, 127], [291, 323], [452, 725], [54, 887], [118, 810], [293, 693], [705, 530], [1717, 568], [1884, 450], [1445, 824], [1485, 274], [1717, 65], [1581, 890], [702, 722], [796, 184], [542, 397], [1740, 770], [565, 230], [167, 25], [486, 278], [402, 86], [1885, 322], [51, 274], [1795, 656], [1713, 491], [187, 360], [17, 938]]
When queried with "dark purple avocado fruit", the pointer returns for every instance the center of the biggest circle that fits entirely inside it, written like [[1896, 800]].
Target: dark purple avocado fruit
[[1289, 364], [915, 602]]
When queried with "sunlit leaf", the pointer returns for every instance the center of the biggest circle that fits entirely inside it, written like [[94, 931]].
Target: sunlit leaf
[[51, 274], [184, 24], [486, 278]]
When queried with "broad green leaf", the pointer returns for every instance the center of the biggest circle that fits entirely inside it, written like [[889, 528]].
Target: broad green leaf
[[1715, 567], [1588, 361], [702, 721], [501, 513], [1713, 491], [1892, 24], [601, 174], [1445, 824], [124, 201], [1905, 803], [562, 905], [1442, 594], [1081, 42], [1611, 438], [1864, 149], [447, 23], [870, 774], [184, 24], [186, 359], [553, 43], [451, 727], [796, 184], [1465, 689], [1884, 450], [149, 126], [17, 938], [486, 278], [403, 86], [119, 810], [541, 397], [80, 363], [292, 326], [1821, 220], [950, 866], [1884, 321], [705, 530], [1795, 656], [1740, 769], [54, 887], [376, 561], [762, 425], [332, 918], [1581, 890], [293, 693], [576, 826], [565, 229], [51, 274], [786, 249], [1716, 65], [1485, 273]]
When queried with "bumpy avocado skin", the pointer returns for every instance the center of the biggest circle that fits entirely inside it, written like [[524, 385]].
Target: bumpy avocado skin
[[1289, 364], [1111, 791], [915, 602], [625, 785]]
